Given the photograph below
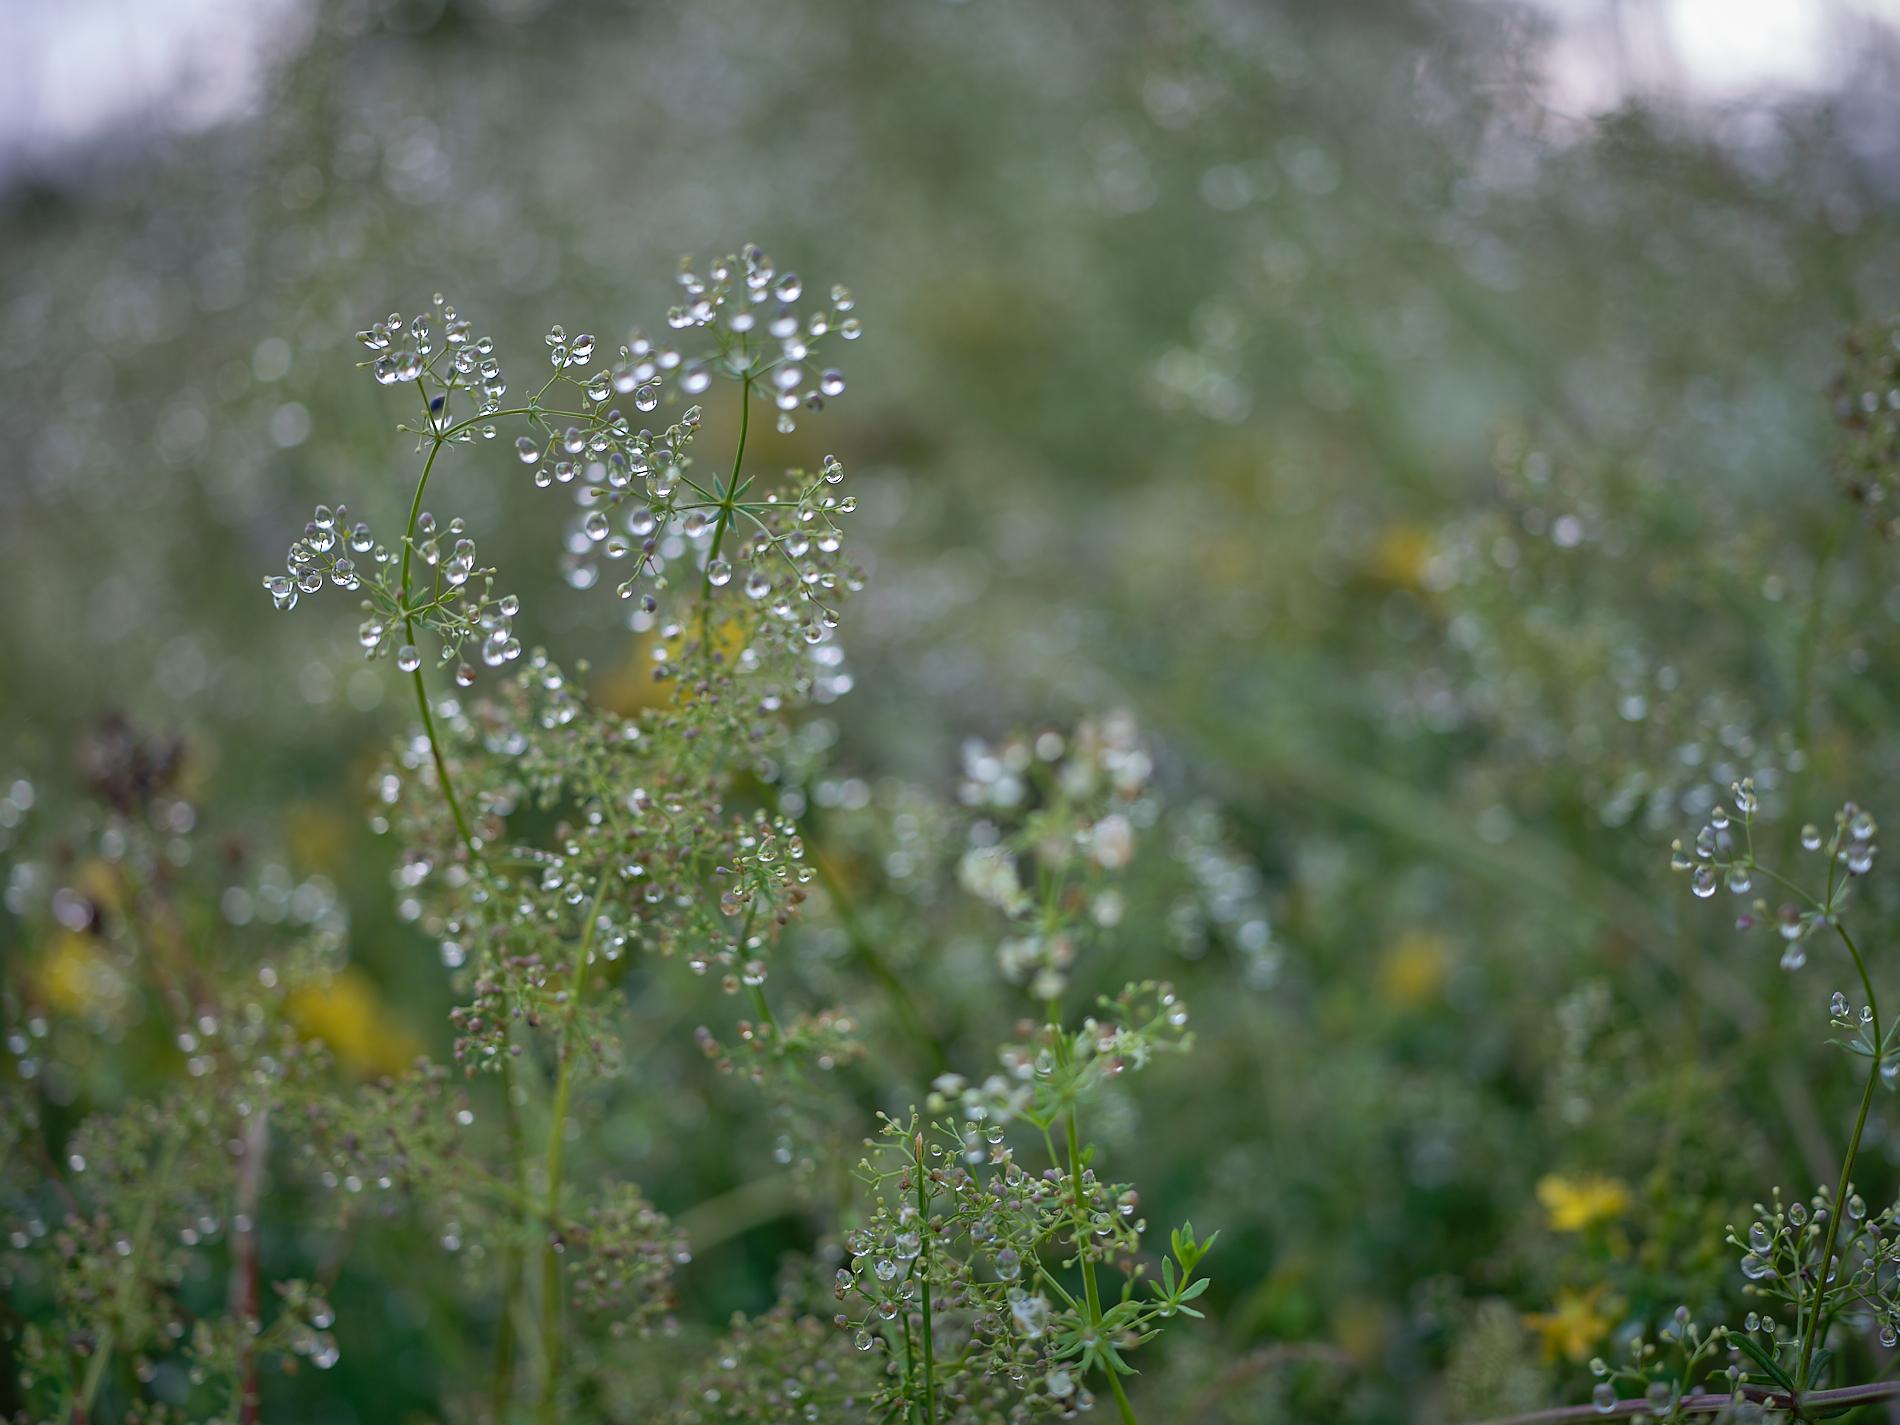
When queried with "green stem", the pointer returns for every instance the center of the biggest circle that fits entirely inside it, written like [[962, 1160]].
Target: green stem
[[1839, 1207], [557, 1136], [503, 1389], [95, 1377], [409, 634], [761, 1006], [731, 492], [1089, 1289], [724, 522], [923, 1231], [514, 1268], [910, 1364], [441, 765]]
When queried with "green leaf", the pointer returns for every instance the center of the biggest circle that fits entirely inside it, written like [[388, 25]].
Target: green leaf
[[1748, 1347]]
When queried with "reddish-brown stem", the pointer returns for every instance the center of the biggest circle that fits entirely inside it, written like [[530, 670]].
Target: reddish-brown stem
[[1715, 1404]]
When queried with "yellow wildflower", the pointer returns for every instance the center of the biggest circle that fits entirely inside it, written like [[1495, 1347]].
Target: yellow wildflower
[[1572, 1328], [1578, 1204], [75, 976], [1413, 971], [344, 1013], [101, 883], [1402, 556]]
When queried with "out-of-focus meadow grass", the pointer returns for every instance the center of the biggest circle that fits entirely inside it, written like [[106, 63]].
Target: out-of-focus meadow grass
[[1443, 480]]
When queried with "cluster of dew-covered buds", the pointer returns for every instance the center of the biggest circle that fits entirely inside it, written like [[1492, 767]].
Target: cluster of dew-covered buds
[[454, 600], [1780, 1261], [763, 337], [1652, 1379], [825, 1038], [1724, 855], [326, 553], [623, 1255]]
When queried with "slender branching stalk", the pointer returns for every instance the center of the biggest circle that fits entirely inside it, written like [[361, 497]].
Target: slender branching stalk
[[1875, 1062], [551, 1293]]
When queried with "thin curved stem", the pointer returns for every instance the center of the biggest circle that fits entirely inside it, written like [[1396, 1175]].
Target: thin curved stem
[[409, 636], [503, 1388], [1089, 1288], [1080, 1222], [557, 1137], [923, 1232], [1814, 1324], [1712, 1404]]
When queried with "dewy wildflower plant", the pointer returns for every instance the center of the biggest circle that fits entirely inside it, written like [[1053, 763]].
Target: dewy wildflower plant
[[990, 1269], [1816, 1263]]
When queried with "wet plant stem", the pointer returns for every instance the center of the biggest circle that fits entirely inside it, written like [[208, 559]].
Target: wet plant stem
[[1091, 1292], [503, 1387], [557, 1137], [1079, 1215], [409, 629], [1812, 1333], [923, 1261]]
